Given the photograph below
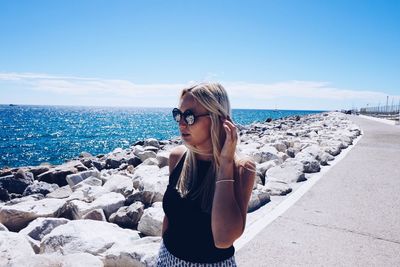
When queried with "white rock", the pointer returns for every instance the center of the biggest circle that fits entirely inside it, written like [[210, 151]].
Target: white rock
[[263, 167], [87, 193], [94, 237], [146, 154], [287, 174], [119, 184], [109, 203], [42, 226], [51, 260], [96, 214], [128, 217], [310, 164], [62, 192], [151, 178], [277, 188], [151, 221], [163, 158], [265, 153], [3, 228], [73, 179], [143, 253], [18, 216], [151, 142], [90, 181], [151, 161], [13, 246], [259, 197]]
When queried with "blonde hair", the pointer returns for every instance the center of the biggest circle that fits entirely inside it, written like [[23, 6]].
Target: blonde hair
[[214, 98]]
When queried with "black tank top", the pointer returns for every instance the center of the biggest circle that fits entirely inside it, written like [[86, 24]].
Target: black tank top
[[189, 235]]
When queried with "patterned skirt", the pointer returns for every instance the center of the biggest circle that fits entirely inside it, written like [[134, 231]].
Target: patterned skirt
[[166, 259]]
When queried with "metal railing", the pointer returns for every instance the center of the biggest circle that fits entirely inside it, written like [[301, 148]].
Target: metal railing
[[391, 112]]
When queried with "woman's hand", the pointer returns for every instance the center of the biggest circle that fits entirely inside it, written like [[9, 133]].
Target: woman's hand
[[229, 147]]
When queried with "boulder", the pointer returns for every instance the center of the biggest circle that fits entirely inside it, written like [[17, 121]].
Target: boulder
[[89, 236], [114, 162], [3, 228], [4, 195], [163, 159], [51, 260], [40, 227], [40, 188], [277, 188], [74, 179], [143, 253], [90, 181], [87, 193], [151, 161], [310, 164], [265, 153], [146, 197], [119, 184], [38, 170], [151, 222], [134, 161], [62, 192], [96, 214], [265, 166], [151, 148], [13, 246], [259, 197], [16, 183], [151, 142], [285, 173], [57, 176], [128, 217], [146, 154], [109, 203], [18, 216]]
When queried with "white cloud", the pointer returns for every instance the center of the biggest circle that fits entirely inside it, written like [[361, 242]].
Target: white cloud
[[284, 95]]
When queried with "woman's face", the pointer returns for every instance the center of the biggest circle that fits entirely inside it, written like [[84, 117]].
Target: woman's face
[[197, 134]]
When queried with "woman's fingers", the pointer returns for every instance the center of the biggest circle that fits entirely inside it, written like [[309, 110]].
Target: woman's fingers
[[230, 129]]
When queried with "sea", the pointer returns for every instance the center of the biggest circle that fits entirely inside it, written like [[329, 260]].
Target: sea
[[31, 135]]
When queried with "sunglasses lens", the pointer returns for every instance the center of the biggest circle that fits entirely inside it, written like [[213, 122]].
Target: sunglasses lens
[[189, 118], [176, 114]]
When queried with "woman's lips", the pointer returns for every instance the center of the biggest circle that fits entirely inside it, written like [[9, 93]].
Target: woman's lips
[[185, 135]]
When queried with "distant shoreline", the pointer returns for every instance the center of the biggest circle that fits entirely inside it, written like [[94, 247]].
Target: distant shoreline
[[138, 107]]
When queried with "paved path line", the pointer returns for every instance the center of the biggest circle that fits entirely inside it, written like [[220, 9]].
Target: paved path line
[[259, 224]]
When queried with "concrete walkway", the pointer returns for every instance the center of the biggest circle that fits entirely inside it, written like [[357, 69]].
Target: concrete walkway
[[351, 217]]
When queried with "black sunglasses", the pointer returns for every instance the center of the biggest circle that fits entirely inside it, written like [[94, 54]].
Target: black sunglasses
[[188, 116]]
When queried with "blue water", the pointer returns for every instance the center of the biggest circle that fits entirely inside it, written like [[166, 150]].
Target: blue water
[[30, 135]]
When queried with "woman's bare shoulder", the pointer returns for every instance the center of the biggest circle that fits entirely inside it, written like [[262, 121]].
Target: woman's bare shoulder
[[175, 155]]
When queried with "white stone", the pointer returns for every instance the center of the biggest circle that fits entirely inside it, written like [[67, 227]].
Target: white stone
[[277, 188], [51, 260], [143, 253], [163, 159], [13, 246], [74, 179], [109, 203], [18, 216], [146, 154], [151, 222], [94, 237], [119, 184], [287, 174], [42, 226]]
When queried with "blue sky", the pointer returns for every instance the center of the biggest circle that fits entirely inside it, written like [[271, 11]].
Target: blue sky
[[268, 54]]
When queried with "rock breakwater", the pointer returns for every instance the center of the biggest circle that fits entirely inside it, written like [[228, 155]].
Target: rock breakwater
[[106, 210]]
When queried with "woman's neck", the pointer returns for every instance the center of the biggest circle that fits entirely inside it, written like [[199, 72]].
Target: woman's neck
[[204, 157]]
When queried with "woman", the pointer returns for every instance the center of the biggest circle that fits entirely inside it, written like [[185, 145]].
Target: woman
[[209, 188]]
